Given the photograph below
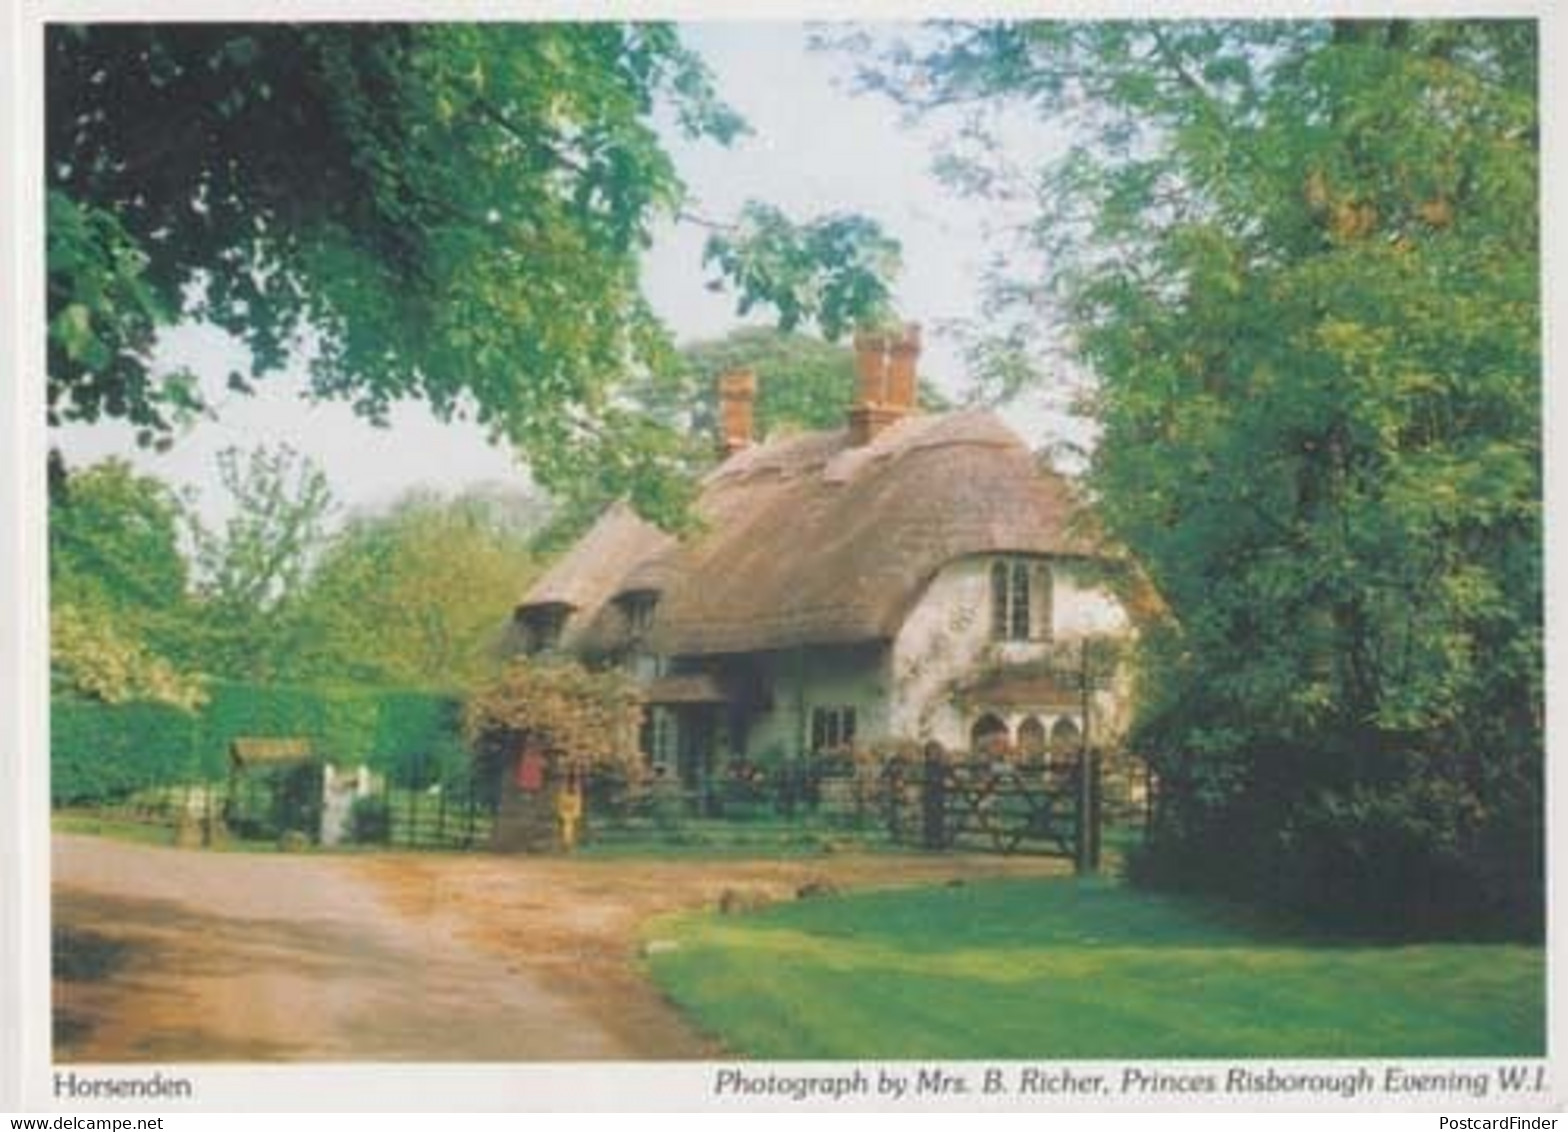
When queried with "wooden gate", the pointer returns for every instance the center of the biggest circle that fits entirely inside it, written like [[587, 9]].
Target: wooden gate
[[1048, 808]]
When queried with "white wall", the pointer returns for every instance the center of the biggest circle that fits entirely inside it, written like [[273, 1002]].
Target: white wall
[[822, 677], [904, 690], [947, 635]]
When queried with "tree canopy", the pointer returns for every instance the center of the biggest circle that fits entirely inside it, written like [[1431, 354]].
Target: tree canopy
[[449, 212], [419, 595], [1300, 263], [118, 588]]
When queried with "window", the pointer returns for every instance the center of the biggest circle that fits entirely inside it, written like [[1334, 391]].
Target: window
[[1031, 739], [832, 728], [1020, 600], [1065, 737], [542, 626], [658, 737], [988, 738], [638, 608]]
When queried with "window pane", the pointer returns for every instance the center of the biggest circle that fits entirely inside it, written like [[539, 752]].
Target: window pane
[[1044, 601], [999, 600], [1020, 612], [849, 726]]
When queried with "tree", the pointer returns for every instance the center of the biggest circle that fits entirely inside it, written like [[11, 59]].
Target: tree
[[804, 383], [1301, 261], [93, 657], [417, 596], [114, 547], [118, 588], [252, 571], [451, 212]]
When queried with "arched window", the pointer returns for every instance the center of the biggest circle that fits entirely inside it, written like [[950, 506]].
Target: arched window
[[1031, 739], [1065, 737], [989, 736]]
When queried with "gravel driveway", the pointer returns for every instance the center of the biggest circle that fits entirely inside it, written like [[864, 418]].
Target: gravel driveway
[[176, 955]]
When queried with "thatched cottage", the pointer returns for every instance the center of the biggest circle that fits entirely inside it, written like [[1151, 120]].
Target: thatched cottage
[[907, 577]]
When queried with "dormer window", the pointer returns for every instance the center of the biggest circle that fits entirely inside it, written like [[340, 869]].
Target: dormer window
[[638, 608], [1020, 600], [542, 626]]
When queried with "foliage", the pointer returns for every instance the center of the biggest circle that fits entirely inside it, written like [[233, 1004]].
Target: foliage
[[778, 263], [1301, 261], [250, 574], [449, 212], [91, 657], [394, 731], [802, 383], [102, 752], [586, 717], [118, 587], [114, 543], [418, 595], [1056, 970]]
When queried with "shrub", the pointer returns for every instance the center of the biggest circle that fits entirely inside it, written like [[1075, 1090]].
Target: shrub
[[104, 752], [590, 718], [1415, 845], [391, 730]]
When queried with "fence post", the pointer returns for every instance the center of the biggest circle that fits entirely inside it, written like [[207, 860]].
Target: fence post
[[1082, 837]]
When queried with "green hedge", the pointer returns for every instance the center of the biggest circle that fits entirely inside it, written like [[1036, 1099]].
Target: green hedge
[[104, 751]]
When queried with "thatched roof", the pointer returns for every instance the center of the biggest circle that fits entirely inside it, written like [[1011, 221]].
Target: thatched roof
[[270, 751], [809, 540]]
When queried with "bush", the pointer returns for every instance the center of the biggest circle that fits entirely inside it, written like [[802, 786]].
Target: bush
[[390, 730], [104, 752], [589, 718], [1418, 848]]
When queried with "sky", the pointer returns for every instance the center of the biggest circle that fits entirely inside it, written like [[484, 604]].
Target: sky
[[815, 147]]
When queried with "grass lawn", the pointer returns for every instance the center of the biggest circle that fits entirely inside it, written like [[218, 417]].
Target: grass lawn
[[1069, 969], [140, 832]]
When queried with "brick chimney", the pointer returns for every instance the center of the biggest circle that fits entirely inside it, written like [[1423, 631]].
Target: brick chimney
[[737, 400], [886, 384]]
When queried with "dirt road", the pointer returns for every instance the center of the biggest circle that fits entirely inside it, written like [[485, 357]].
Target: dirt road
[[171, 955]]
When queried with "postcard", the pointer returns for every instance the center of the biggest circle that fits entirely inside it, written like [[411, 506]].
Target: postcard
[[855, 558]]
